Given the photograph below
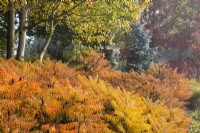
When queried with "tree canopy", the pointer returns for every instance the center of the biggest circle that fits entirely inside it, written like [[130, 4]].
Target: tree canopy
[[89, 20]]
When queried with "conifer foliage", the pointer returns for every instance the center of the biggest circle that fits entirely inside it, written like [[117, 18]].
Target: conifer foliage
[[140, 55]]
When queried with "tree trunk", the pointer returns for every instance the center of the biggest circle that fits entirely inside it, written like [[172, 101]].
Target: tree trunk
[[45, 46], [10, 32], [22, 34], [50, 31]]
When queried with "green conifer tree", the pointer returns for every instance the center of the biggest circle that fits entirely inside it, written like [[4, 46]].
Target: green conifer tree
[[139, 55]]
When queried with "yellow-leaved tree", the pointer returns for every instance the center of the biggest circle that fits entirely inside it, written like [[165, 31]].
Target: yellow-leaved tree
[[89, 20]]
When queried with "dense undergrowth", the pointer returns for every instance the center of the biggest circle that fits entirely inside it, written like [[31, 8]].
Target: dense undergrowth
[[52, 97], [195, 106]]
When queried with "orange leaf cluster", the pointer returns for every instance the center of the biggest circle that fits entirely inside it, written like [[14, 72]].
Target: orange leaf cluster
[[157, 83], [51, 97]]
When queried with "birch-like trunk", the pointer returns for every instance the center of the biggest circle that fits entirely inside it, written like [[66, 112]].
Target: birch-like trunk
[[45, 46], [22, 34]]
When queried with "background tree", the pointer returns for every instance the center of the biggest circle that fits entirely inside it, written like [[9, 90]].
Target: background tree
[[91, 21], [23, 24], [21, 7], [171, 26], [10, 30], [139, 54]]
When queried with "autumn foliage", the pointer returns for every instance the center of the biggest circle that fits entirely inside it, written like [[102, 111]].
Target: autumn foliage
[[51, 97], [157, 83]]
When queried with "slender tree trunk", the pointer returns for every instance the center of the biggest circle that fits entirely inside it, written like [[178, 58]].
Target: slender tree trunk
[[50, 31], [45, 46], [11, 32], [22, 34]]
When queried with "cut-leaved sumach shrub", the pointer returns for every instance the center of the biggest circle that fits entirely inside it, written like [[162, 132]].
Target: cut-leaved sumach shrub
[[157, 83], [51, 97]]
